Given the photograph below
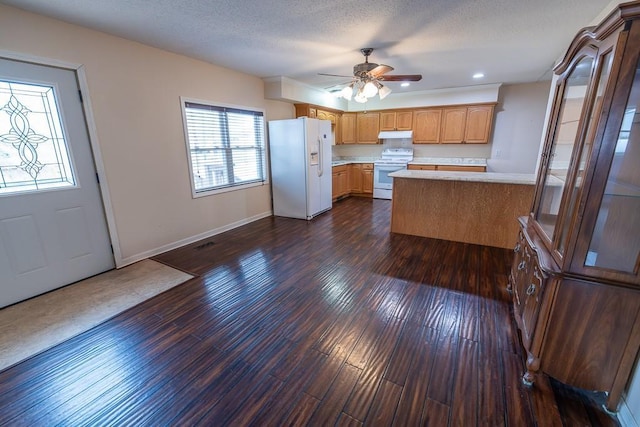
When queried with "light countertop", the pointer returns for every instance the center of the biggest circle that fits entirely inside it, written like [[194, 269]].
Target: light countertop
[[489, 177], [349, 160]]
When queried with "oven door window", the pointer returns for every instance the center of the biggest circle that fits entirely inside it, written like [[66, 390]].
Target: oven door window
[[383, 180]]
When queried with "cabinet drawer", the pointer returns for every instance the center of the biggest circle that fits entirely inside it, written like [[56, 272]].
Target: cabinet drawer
[[422, 167], [451, 168], [340, 168]]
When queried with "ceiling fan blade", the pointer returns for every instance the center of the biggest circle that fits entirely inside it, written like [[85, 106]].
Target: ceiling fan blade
[[334, 75], [401, 78], [380, 70]]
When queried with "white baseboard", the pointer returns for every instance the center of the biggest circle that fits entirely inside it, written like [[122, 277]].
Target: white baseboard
[[625, 416], [164, 248]]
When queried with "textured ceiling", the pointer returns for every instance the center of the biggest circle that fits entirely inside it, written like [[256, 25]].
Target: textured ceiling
[[510, 41]]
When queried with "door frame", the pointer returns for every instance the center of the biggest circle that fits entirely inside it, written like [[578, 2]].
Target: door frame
[[92, 131]]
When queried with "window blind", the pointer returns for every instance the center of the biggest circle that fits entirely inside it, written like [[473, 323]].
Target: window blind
[[226, 146]]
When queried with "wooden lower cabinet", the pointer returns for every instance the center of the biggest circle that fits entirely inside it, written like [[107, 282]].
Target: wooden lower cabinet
[[580, 332], [361, 178], [367, 179], [340, 182], [352, 179], [449, 168], [355, 178]]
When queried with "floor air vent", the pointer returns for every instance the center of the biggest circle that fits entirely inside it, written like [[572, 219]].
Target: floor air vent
[[204, 245]]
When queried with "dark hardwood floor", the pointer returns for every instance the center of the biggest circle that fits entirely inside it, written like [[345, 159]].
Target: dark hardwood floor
[[329, 322]]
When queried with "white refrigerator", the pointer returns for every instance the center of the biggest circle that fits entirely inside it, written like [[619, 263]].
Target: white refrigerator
[[300, 153]]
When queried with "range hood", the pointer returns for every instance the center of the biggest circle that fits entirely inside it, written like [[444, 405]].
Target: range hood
[[396, 134]]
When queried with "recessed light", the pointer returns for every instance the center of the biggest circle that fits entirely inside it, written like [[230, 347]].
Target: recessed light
[[405, 84], [478, 75]]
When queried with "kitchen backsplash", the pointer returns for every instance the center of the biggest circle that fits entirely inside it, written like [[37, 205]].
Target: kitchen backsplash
[[419, 150]]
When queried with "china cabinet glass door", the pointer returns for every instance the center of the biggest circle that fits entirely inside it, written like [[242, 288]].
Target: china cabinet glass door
[[615, 242], [574, 92], [605, 63]]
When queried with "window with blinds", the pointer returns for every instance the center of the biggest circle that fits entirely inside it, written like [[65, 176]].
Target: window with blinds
[[226, 147]]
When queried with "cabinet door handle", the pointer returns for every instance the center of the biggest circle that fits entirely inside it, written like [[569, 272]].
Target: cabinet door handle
[[531, 289], [522, 265], [517, 248]]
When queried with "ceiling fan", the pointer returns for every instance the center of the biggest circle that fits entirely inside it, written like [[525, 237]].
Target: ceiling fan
[[367, 78]]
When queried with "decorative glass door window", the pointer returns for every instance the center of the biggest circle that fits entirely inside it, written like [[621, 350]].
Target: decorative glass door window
[[33, 151]]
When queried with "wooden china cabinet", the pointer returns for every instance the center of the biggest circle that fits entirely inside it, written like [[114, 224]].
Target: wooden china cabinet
[[575, 277]]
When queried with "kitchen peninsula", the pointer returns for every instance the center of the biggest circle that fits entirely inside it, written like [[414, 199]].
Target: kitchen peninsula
[[472, 207]]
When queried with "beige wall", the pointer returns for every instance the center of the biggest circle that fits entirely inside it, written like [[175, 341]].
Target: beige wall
[[518, 127], [134, 94]]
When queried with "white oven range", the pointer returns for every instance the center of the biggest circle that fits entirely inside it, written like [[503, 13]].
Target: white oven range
[[391, 160]]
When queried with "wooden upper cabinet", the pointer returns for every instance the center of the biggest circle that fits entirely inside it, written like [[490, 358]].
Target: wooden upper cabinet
[[368, 127], [387, 120], [326, 115], [348, 128], [454, 120], [305, 110], [470, 124], [337, 130], [404, 120], [320, 113], [396, 120], [426, 126], [478, 126], [466, 124]]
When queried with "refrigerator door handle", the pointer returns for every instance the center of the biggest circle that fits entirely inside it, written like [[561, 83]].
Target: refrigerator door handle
[[320, 155]]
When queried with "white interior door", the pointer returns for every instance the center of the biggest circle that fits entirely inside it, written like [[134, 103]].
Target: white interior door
[[53, 230]]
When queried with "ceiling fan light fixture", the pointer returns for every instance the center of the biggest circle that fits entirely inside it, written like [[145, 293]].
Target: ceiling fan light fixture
[[367, 77], [347, 92], [383, 91], [360, 97], [369, 90]]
